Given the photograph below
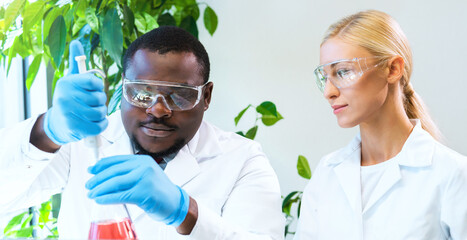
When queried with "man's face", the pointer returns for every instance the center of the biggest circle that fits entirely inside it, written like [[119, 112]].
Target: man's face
[[157, 129]]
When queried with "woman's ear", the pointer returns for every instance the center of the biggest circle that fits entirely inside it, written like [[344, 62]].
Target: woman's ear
[[396, 69]]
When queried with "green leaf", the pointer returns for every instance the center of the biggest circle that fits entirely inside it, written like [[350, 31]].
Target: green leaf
[[26, 221], [32, 71], [303, 168], [57, 39], [189, 24], [22, 47], [267, 108], [92, 20], [299, 207], [112, 36], [287, 202], [270, 120], [240, 133], [140, 23], [15, 221], [12, 53], [56, 202], [57, 76], [12, 12], [79, 24], [24, 232], [269, 114], [251, 134], [32, 15], [166, 19], [239, 116], [115, 101], [49, 19], [151, 22], [157, 3], [44, 211], [2, 12], [210, 20], [193, 10], [80, 9], [129, 19]]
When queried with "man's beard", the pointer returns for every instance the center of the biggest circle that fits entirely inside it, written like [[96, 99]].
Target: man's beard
[[179, 143]]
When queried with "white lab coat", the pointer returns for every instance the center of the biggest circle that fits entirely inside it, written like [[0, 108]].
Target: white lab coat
[[421, 195], [229, 176]]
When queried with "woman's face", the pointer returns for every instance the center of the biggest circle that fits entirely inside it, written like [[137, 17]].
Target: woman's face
[[362, 100]]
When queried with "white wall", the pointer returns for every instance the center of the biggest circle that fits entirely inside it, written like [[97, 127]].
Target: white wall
[[267, 50]]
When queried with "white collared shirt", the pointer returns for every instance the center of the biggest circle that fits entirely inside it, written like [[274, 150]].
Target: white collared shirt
[[422, 194], [229, 176]]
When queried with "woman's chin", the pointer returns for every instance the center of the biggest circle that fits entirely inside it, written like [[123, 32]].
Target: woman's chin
[[346, 123]]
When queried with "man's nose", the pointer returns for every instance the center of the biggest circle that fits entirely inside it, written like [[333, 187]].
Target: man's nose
[[160, 109], [330, 90]]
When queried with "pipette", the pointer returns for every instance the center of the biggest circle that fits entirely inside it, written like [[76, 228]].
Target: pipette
[[113, 226], [92, 142]]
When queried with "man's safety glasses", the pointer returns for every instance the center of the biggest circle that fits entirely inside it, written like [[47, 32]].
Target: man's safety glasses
[[342, 73], [175, 96]]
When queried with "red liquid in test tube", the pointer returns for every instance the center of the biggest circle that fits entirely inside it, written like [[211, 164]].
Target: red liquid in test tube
[[112, 229]]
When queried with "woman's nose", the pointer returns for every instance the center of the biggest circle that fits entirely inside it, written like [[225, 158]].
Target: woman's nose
[[330, 90]]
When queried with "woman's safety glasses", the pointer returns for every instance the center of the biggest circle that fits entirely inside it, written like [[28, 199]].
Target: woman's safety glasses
[[176, 97], [342, 73]]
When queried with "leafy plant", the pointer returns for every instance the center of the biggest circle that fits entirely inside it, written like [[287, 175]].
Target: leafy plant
[[20, 227], [295, 197], [43, 30], [269, 115]]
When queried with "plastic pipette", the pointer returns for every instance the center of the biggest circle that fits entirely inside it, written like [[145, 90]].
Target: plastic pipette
[[92, 142]]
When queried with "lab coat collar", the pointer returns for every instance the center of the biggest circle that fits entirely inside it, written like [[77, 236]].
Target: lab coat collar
[[180, 170], [184, 167], [115, 130], [416, 152]]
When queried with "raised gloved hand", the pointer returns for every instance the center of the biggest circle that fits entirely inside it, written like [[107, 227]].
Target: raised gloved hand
[[78, 108], [139, 180]]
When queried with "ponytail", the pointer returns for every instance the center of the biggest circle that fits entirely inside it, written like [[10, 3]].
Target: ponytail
[[415, 109]]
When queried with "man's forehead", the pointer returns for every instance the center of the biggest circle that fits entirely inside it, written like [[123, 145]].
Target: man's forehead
[[171, 66]]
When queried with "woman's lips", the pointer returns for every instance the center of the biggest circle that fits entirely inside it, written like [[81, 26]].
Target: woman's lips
[[338, 108]]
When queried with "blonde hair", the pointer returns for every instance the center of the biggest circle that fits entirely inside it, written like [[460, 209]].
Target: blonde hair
[[382, 36]]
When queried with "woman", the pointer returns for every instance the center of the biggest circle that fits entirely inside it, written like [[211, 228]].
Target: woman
[[394, 180]]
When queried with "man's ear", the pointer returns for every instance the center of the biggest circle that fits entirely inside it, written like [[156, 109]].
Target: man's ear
[[396, 69], [207, 93]]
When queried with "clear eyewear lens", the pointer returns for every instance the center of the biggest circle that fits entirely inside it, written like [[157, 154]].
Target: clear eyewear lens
[[341, 73], [146, 93]]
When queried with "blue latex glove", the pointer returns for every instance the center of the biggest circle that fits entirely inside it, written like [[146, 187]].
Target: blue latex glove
[[139, 180], [78, 108]]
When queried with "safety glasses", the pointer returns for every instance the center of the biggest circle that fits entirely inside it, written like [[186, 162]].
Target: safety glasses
[[342, 73], [176, 97]]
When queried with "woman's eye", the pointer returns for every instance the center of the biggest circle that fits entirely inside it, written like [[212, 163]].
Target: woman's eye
[[342, 73]]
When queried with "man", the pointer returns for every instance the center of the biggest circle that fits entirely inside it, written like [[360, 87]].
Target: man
[[177, 174]]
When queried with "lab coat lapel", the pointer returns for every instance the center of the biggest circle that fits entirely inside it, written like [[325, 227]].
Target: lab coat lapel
[[348, 173], [390, 177], [416, 152], [182, 168]]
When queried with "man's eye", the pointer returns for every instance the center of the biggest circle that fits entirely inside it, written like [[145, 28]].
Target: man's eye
[[142, 96]]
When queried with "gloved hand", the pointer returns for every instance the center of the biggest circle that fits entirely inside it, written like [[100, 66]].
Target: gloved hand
[[137, 179], [78, 108]]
